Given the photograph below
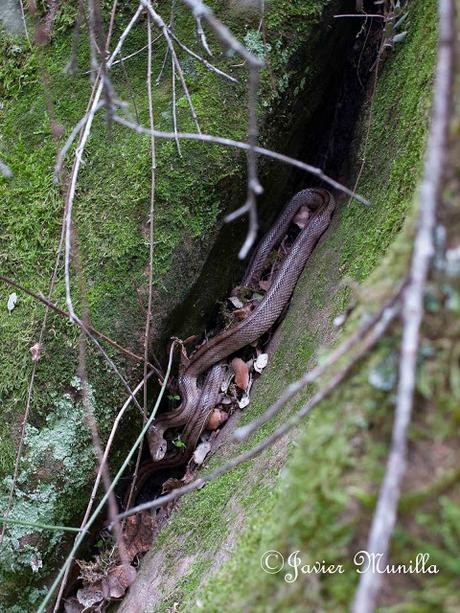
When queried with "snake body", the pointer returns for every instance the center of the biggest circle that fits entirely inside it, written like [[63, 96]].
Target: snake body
[[198, 402]]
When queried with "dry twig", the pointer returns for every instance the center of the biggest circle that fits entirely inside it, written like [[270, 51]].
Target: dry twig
[[371, 339], [228, 142], [100, 506], [412, 311]]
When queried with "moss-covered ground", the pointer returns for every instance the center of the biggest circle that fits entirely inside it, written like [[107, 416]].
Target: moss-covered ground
[[320, 503], [110, 221]]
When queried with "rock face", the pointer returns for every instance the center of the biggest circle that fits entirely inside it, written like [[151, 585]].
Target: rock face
[[320, 503], [111, 228]]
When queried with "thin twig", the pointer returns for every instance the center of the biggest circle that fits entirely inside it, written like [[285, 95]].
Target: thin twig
[[70, 139], [384, 518], [374, 335], [148, 319], [176, 64], [363, 16], [204, 61], [72, 66], [228, 142], [202, 36], [134, 53], [92, 497], [37, 525], [200, 10], [25, 418], [59, 311], [23, 17], [100, 506], [103, 468], [174, 105]]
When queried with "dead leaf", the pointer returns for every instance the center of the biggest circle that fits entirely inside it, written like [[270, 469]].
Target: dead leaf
[[157, 444], [265, 285], [301, 217], [236, 302], [35, 562], [216, 419], [118, 580], [201, 452], [36, 351], [90, 596], [243, 403], [138, 533], [242, 313], [12, 299], [261, 362], [241, 371]]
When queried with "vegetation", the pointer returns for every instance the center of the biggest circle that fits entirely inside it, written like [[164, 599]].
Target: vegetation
[[110, 224], [321, 502]]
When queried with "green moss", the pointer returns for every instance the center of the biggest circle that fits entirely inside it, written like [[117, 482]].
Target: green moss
[[110, 220], [313, 505]]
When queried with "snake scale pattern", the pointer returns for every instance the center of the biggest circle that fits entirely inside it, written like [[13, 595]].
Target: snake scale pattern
[[197, 401]]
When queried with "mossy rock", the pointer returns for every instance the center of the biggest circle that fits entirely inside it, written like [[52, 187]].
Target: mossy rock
[[209, 556], [110, 223]]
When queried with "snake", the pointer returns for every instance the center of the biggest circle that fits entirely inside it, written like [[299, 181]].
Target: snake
[[197, 401]]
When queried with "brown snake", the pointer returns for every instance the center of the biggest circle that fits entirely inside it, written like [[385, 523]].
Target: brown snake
[[198, 402]]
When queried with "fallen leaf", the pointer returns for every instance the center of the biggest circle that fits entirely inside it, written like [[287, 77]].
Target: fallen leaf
[[12, 299], [118, 579], [242, 313], [35, 562], [90, 596], [241, 371], [201, 452], [236, 302], [216, 419], [265, 285], [138, 532], [261, 362], [35, 352], [157, 444], [243, 403], [301, 217]]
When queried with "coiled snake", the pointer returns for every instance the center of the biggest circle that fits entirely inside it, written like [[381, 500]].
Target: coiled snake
[[198, 402]]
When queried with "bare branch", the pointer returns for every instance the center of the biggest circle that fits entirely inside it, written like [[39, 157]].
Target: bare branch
[[384, 518], [25, 418], [100, 506], [202, 36], [375, 334], [97, 482], [205, 62], [59, 311], [162, 26], [228, 142], [70, 139]]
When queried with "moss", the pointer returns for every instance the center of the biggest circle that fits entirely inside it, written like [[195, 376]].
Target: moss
[[110, 220], [313, 505]]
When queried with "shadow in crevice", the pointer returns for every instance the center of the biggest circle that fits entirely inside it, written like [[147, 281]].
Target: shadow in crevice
[[318, 129]]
